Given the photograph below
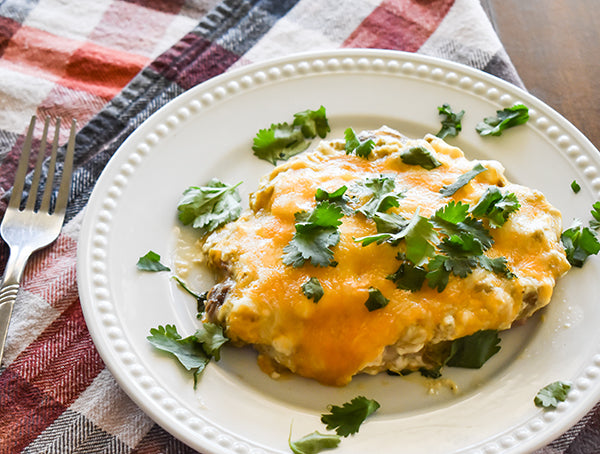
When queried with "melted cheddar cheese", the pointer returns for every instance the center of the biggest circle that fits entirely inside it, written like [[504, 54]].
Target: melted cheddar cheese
[[259, 300]]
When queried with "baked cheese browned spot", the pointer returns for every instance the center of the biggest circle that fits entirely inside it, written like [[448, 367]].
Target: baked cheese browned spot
[[259, 299]]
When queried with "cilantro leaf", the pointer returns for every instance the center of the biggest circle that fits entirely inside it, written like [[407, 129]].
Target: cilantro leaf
[[452, 213], [313, 290], [200, 297], [376, 300], [420, 156], [453, 219], [209, 207], [314, 443], [496, 265], [312, 123], [337, 197], [316, 233], [420, 239], [212, 339], [437, 273], [281, 141], [408, 276], [383, 195], [461, 254], [188, 351], [495, 206], [193, 352], [151, 262], [474, 350], [354, 145], [451, 123], [575, 186], [462, 180], [551, 395], [346, 420], [390, 228], [504, 119], [579, 242]]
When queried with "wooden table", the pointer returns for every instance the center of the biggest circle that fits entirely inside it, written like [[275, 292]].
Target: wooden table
[[555, 46]]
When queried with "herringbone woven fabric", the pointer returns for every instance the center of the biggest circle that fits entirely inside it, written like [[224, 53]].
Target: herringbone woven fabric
[[111, 64]]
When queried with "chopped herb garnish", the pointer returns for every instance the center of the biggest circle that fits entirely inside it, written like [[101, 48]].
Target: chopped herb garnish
[[151, 262], [451, 122], [281, 141], [408, 276], [347, 419], [209, 207], [575, 186], [420, 238], [504, 119], [474, 350], [314, 443], [316, 233], [495, 206], [200, 297], [376, 300], [312, 289], [579, 242], [453, 220], [389, 228], [420, 156], [383, 195], [212, 339], [312, 123], [355, 146], [337, 197], [462, 180], [551, 395], [193, 352]]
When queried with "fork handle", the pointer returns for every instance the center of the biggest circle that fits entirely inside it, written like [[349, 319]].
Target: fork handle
[[10, 288]]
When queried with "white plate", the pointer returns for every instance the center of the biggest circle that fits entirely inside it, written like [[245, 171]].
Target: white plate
[[207, 132]]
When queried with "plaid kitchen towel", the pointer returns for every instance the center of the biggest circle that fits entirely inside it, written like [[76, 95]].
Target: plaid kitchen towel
[[111, 64]]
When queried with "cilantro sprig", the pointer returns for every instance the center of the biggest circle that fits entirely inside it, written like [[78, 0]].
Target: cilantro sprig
[[347, 419], [420, 156], [193, 352], [281, 141], [313, 289], [495, 206], [355, 146], [473, 351], [314, 443], [316, 233], [462, 180], [551, 395], [337, 197], [451, 242], [209, 207], [382, 195], [504, 119], [451, 122], [579, 243]]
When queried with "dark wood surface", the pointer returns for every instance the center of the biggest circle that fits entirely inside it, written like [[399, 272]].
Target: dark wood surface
[[555, 46]]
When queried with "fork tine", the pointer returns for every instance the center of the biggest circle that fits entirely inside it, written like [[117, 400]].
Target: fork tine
[[45, 205], [35, 182], [17, 191], [65, 183]]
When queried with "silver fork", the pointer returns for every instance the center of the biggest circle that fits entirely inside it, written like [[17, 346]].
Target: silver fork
[[29, 229]]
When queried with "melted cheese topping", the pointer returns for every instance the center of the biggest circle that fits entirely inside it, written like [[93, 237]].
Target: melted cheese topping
[[336, 338]]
